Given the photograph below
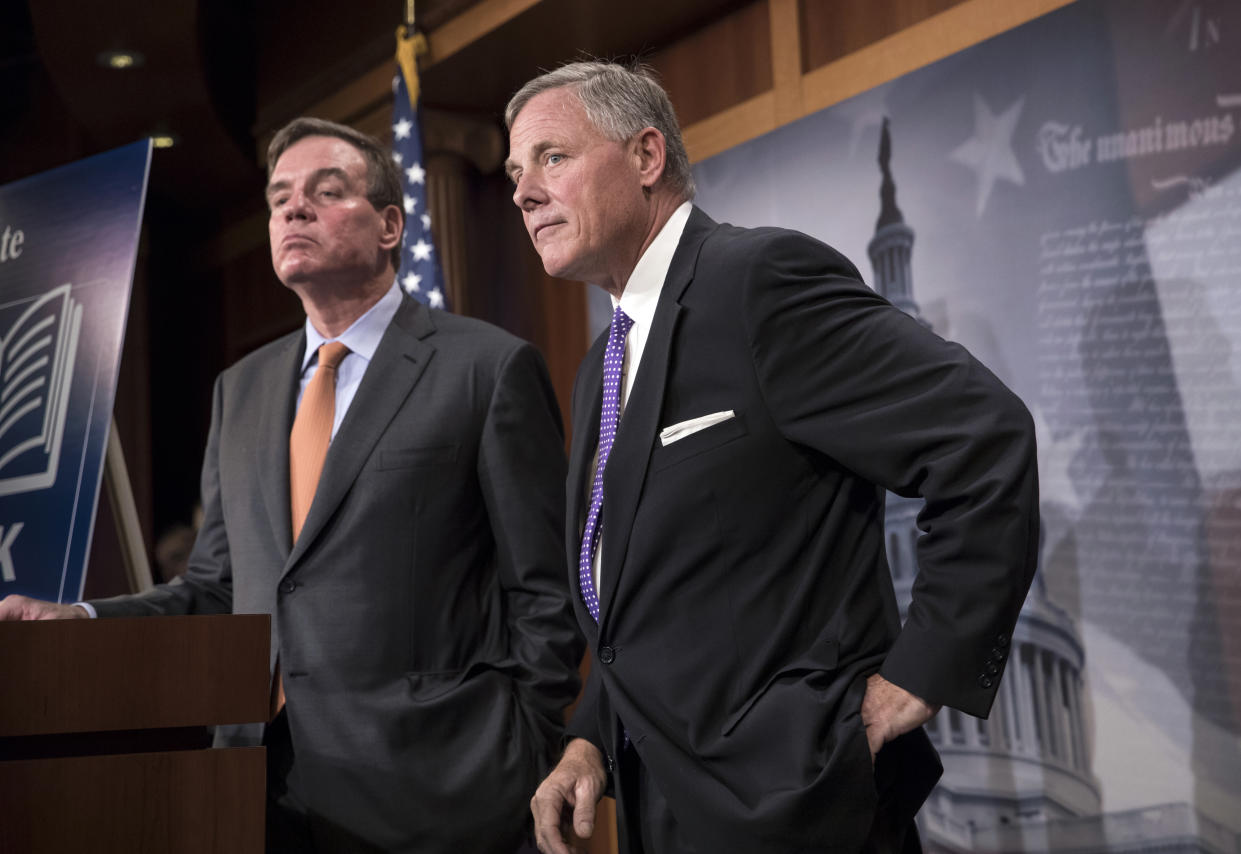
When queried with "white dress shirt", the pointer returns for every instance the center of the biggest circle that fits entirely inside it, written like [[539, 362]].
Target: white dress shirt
[[362, 339], [639, 300]]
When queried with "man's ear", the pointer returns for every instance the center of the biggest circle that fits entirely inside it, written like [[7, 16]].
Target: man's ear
[[393, 221], [650, 149]]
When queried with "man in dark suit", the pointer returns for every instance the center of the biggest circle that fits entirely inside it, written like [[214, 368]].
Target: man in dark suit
[[421, 631], [733, 433]]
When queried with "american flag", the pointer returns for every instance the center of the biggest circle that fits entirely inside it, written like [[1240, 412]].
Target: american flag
[[420, 274]]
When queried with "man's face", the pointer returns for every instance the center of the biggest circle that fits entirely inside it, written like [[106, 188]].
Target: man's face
[[580, 194], [322, 227]]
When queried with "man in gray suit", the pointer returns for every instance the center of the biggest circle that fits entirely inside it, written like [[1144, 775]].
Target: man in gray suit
[[423, 648]]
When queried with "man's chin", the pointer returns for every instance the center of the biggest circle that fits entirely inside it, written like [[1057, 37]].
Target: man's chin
[[293, 275], [557, 268]]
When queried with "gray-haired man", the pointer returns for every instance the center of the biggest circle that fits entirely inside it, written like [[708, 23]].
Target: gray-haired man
[[753, 690]]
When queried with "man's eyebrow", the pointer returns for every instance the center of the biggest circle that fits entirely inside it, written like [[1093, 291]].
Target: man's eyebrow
[[275, 187], [315, 177]]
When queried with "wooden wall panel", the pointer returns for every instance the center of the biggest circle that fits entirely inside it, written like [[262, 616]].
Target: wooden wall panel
[[719, 66], [832, 30], [889, 54]]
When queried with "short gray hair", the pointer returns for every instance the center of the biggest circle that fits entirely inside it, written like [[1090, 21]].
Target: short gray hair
[[619, 101], [383, 178]]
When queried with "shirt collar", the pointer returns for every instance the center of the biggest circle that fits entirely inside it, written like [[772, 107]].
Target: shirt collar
[[641, 294], [362, 337]]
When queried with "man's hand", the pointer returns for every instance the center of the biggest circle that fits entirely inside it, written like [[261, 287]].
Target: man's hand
[[570, 792], [888, 710], [17, 607]]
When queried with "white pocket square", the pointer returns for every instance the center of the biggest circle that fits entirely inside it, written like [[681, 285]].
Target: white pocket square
[[668, 435]]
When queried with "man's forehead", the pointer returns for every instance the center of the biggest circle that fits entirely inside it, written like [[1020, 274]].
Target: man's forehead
[[554, 117], [317, 153]]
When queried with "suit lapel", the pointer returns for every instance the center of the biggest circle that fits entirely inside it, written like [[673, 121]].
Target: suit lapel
[[639, 424], [274, 426], [399, 362]]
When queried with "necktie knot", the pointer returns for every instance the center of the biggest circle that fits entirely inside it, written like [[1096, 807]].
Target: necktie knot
[[621, 324], [332, 354]]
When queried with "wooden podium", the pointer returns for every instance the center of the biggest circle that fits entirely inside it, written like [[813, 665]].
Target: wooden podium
[[103, 745]]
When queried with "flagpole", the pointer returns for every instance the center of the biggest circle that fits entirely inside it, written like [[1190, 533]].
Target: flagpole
[[420, 272]]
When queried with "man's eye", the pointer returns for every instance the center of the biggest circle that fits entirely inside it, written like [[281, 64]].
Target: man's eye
[[553, 159]]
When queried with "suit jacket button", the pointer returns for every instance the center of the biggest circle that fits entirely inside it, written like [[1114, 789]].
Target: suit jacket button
[[998, 654], [985, 681], [1001, 640], [992, 668], [288, 585], [606, 654]]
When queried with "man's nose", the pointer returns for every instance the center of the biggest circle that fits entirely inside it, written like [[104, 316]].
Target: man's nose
[[298, 206], [527, 194]]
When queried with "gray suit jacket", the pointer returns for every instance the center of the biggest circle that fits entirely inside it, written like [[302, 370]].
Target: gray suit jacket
[[421, 622]]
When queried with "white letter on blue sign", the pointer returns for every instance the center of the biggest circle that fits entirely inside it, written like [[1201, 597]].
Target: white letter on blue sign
[[6, 556]]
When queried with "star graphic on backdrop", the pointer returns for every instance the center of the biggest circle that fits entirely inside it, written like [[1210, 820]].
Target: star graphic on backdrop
[[421, 250], [411, 281], [396, 81], [402, 129], [396, 158], [436, 299], [426, 221], [990, 151], [410, 204], [416, 174]]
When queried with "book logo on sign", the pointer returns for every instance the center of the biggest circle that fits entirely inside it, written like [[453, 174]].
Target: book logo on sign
[[36, 369]]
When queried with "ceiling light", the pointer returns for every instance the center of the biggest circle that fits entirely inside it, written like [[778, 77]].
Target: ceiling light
[[120, 59], [163, 140]]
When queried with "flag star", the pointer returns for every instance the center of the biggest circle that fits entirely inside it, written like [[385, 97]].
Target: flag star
[[396, 81], [421, 250], [410, 204], [402, 128], [416, 174], [436, 298], [396, 158], [411, 282], [990, 151], [426, 221]]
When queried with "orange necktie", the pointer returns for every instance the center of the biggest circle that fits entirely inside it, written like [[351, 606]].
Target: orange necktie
[[312, 432]]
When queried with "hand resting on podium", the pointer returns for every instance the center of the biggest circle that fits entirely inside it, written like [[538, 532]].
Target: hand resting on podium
[[18, 607]]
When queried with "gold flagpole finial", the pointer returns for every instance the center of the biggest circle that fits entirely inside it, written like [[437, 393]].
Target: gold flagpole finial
[[410, 44]]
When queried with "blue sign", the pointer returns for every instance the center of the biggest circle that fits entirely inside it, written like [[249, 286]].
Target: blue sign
[[68, 243]]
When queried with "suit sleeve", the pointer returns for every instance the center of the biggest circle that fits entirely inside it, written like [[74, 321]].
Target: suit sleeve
[[847, 374], [522, 472], [207, 585]]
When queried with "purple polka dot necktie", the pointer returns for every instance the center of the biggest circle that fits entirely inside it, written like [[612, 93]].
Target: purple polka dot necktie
[[609, 416]]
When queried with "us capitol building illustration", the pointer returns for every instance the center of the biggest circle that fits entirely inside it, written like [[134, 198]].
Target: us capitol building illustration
[[1020, 781]]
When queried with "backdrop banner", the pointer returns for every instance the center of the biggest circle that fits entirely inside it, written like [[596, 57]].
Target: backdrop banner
[[1065, 201], [68, 244]]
